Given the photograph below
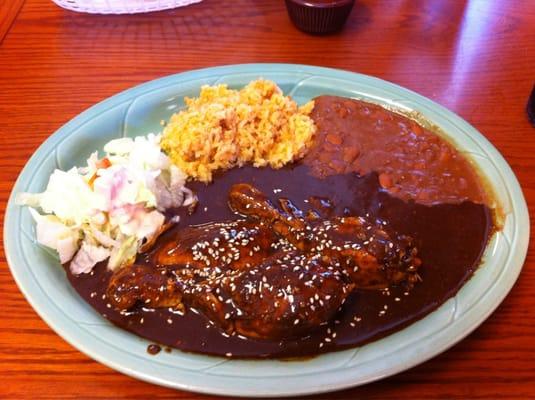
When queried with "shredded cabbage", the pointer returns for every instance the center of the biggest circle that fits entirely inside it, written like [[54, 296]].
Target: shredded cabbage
[[109, 208]]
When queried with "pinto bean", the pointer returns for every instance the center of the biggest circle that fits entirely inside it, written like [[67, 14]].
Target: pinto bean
[[385, 180], [350, 153], [334, 139]]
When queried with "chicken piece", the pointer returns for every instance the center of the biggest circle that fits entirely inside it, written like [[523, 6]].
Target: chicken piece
[[284, 296], [201, 251], [276, 274], [246, 200], [233, 244], [144, 285], [240, 275], [370, 256]]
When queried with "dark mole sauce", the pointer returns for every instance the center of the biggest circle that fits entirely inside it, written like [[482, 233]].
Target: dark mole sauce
[[450, 239], [153, 349]]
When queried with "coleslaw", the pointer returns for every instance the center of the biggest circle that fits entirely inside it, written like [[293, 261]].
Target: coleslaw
[[111, 207]]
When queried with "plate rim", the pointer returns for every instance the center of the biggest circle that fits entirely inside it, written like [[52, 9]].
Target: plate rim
[[522, 227]]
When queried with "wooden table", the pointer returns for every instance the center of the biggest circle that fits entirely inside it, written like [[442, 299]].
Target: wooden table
[[475, 57]]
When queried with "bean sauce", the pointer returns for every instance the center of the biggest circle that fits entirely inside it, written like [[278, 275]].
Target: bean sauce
[[412, 162]]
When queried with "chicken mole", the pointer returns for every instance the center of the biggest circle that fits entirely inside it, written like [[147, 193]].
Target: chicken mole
[[450, 239]]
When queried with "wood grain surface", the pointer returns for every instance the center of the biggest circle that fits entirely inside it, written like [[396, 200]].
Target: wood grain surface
[[476, 57], [8, 13]]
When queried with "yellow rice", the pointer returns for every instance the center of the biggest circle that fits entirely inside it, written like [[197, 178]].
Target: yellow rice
[[223, 128]]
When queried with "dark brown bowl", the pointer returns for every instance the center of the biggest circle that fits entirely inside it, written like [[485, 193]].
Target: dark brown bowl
[[319, 16]]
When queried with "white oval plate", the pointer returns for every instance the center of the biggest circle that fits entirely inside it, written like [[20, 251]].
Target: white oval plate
[[138, 111]]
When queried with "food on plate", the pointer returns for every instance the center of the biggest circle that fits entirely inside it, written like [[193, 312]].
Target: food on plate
[[224, 128], [363, 251], [277, 274], [412, 161], [108, 209], [253, 227]]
